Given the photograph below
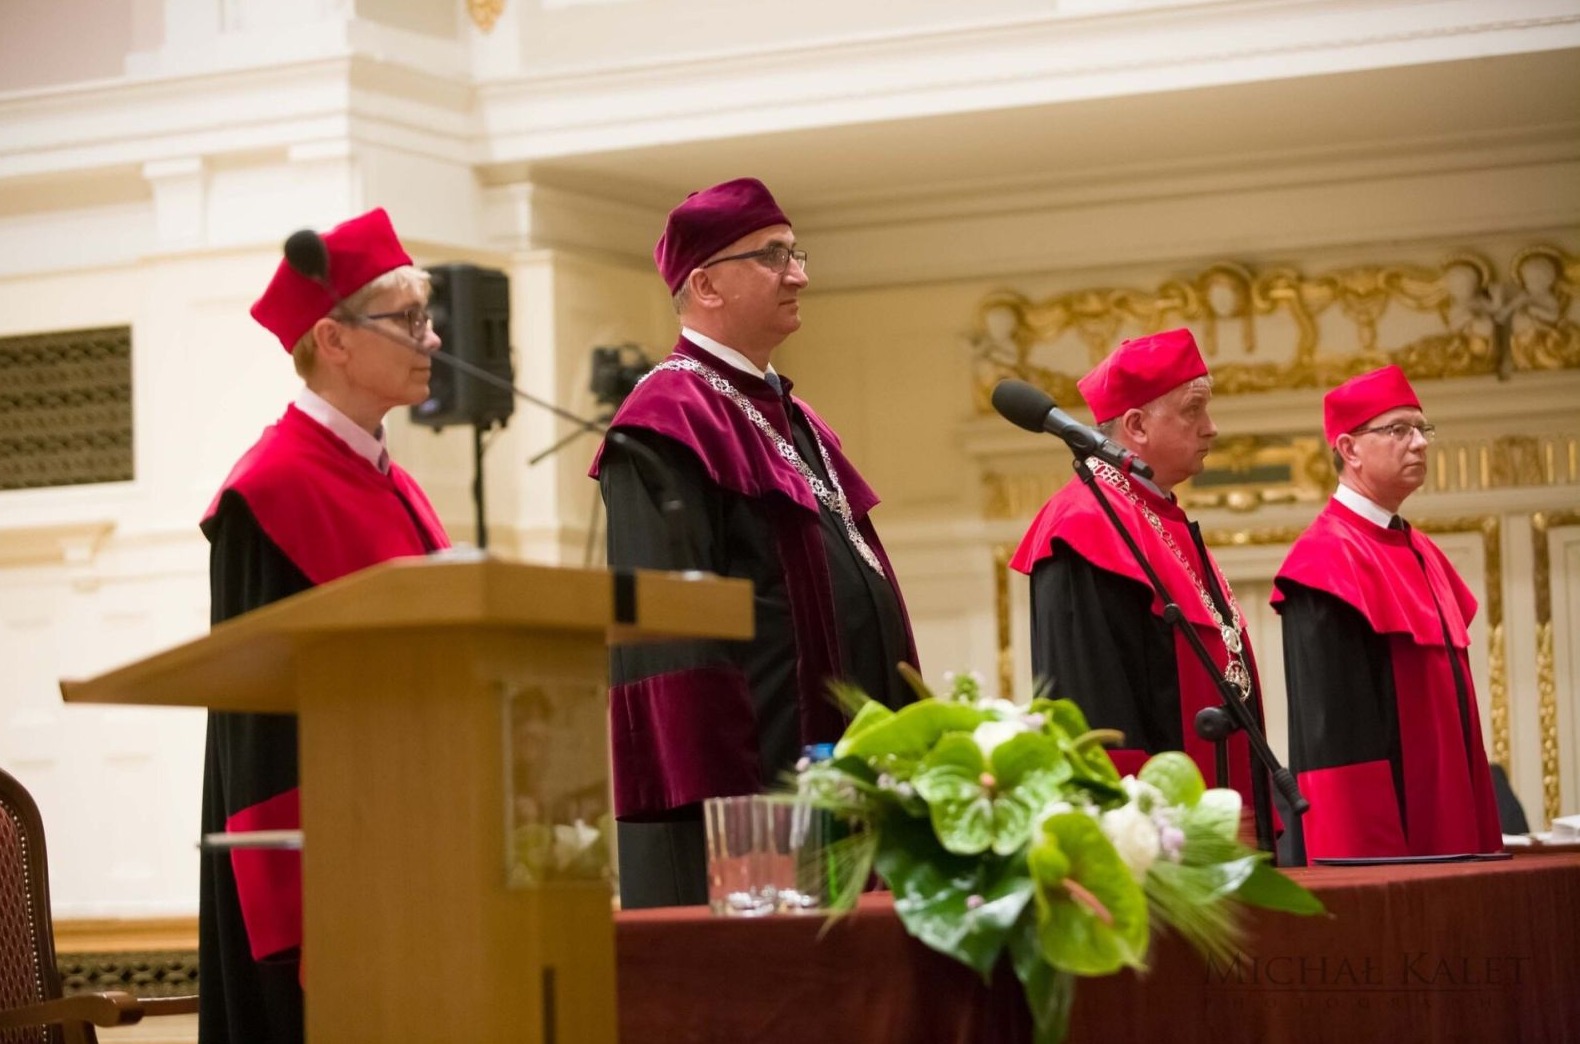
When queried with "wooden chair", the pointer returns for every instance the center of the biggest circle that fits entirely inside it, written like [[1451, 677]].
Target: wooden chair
[[32, 1007]]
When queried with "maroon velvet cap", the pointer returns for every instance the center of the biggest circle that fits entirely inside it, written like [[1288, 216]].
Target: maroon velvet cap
[[1359, 399], [710, 220], [360, 250], [1140, 370]]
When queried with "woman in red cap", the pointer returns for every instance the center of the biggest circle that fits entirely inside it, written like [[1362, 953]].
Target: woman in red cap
[[314, 499]]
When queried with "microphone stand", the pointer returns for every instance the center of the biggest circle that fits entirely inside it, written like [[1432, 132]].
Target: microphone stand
[[671, 506], [1213, 723]]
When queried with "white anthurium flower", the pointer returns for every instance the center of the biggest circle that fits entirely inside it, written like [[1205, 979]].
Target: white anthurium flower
[[1144, 795], [990, 734], [1001, 707], [1134, 836]]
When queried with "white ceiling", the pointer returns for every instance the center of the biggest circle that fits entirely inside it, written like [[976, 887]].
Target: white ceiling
[[1402, 115]]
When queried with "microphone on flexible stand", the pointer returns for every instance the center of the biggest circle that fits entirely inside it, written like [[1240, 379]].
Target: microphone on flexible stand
[[1027, 406], [307, 255]]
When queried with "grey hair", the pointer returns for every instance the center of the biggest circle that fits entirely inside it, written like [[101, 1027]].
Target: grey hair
[[407, 277]]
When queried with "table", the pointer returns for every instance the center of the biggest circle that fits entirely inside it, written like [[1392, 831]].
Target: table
[[1454, 952]]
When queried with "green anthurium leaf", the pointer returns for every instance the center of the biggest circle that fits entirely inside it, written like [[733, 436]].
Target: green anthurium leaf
[[950, 780], [933, 889], [1268, 888], [964, 827], [1099, 924], [1209, 883], [1090, 762], [912, 731], [1030, 753], [871, 713], [1050, 994], [1029, 770], [953, 770], [1064, 714], [1216, 812], [1175, 774]]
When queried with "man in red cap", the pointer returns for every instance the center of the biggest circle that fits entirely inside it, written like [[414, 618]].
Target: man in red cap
[[314, 499], [1098, 635], [1384, 734], [767, 495]]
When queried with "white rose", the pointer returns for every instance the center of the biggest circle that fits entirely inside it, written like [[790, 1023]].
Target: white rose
[[1134, 837], [990, 734]]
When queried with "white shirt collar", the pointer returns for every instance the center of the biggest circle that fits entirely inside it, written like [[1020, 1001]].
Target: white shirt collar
[[724, 353], [370, 448], [1362, 505]]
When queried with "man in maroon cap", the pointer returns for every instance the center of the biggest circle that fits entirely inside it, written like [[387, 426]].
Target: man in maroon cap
[[314, 499], [1384, 733], [769, 496], [1098, 635]]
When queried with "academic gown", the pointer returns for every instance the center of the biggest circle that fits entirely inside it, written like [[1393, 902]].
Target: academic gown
[[299, 509], [1098, 636], [1384, 734], [698, 719]]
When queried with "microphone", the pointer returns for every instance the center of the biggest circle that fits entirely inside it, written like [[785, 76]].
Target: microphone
[[307, 255], [1027, 406]]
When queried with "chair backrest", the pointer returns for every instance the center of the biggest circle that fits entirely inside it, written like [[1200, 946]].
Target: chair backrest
[[28, 974]]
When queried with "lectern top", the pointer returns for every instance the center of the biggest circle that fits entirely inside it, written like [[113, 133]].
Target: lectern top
[[255, 650]]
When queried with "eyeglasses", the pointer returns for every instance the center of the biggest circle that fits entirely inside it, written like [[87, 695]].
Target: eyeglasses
[[417, 317], [1399, 431], [777, 258]]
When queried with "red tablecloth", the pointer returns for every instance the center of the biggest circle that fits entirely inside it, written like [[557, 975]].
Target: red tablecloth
[[1455, 952]]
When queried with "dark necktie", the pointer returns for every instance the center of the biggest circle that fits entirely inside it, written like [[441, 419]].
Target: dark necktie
[[1399, 524], [773, 382]]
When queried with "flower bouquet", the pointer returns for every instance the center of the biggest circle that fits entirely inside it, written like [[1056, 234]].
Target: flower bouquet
[[1002, 828]]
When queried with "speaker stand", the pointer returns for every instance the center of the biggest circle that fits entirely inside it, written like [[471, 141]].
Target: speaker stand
[[477, 486]]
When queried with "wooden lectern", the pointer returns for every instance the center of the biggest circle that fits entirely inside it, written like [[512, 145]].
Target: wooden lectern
[[453, 753]]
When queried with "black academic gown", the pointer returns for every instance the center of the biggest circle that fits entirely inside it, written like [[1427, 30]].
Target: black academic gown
[[1099, 639], [299, 509], [263, 999], [661, 849], [1384, 733]]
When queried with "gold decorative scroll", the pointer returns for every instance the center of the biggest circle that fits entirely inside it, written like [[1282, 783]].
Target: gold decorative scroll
[[1543, 523], [485, 13], [1278, 327], [1002, 553]]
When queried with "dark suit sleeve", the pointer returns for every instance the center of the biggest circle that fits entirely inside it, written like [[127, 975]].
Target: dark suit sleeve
[[639, 538], [1095, 641], [681, 721], [1343, 726]]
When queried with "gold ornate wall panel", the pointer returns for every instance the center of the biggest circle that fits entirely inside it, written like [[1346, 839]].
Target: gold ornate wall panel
[[1265, 328], [1542, 525], [1247, 472], [1506, 462]]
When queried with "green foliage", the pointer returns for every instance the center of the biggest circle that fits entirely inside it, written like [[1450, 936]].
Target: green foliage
[[1007, 830]]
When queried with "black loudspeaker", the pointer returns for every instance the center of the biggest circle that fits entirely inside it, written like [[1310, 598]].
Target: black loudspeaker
[[471, 315]]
